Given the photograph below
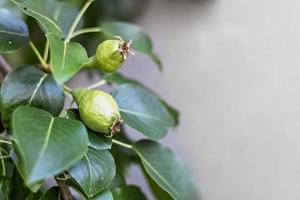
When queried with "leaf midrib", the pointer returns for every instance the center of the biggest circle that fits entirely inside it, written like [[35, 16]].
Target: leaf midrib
[[14, 33], [157, 173], [91, 175], [64, 57], [144, 115], [46, 18], [45, 145], [36, 89]]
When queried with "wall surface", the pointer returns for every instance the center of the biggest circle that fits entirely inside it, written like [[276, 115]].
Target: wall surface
[[233, 69]]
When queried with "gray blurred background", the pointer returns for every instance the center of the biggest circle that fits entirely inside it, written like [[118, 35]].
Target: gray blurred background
[[232, 69]]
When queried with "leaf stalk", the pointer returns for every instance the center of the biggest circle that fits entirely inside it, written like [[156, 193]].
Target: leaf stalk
[[77, 19], [122, 144]]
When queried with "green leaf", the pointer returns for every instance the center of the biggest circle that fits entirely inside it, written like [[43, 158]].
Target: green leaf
[[34, 196], [30, 86], [38, 10], [52, 194], [96, 140], [105, 195], [74, 185], [99, 142], [94, 172], [157, 191], [21, 190], [13, 32], [41, 141], [141, 41], [6, 185], [66, 58], [64, 13], [119, 179], [167, 170], [119, 79], [141, 110], [173, 111], [129, 192]]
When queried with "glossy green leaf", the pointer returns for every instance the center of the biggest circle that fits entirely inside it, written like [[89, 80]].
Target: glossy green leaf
[[19, 190], [104, 195], [34, 196], [41, 141], [100, 142], [119, 79], [32, 186], [30, 86], [38, 10], [75, 186], [157, 191], [52, 194], [141, 110], [6, 186], [173, 111], [66, 16], [141, 41], [94, 172], [118, 181], [13, 32], [96, 140], [66, 58], [64, 13], [129, 192], [166, 169]]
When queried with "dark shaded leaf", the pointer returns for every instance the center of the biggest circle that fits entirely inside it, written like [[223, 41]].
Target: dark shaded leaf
[[129, 192], [30, 86], [105, 195], [52, 194], [13, 32], [6, 185], [34, 196], [94, 172], [118, 181]]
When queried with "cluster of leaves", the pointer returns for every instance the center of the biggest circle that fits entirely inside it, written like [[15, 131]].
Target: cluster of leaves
[[44, 139]]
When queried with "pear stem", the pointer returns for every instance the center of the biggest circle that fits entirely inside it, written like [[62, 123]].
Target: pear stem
[[67, 89], [128, 146], [98, 84]]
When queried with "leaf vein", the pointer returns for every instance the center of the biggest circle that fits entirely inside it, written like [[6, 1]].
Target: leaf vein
[[14, 33], [158, 174], [45, 145], [91, 172], [64, 57], [36, 89], [142, 115]]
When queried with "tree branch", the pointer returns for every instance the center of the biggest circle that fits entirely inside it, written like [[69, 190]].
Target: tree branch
[[5, 68], [65, 190]]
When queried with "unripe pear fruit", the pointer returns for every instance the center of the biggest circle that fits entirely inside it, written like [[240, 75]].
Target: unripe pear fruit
[[110, 55], [98, 110]]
